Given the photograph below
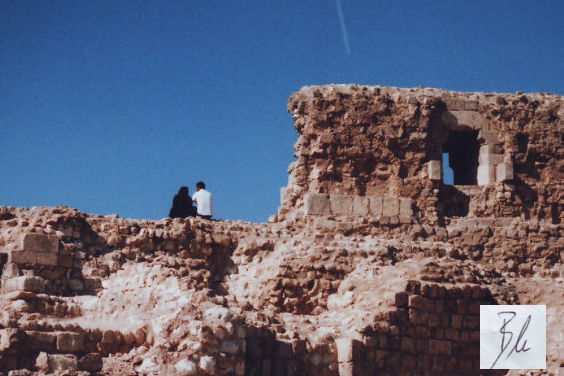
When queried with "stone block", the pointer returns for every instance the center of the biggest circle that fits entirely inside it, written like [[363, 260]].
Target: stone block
[[454, 103], [375, 205], [40, 242], [408, 345], [41, 341], [405, 219], [76, 284], [341, 204], [62, 362], [486, 174], [406, 209], [402, 299], [360, 206], [317, 204], [391, 206], [47, 259], [92, 284], [21, 257], [91, 362], [472, 119], [11, 340], [440, 347], [504, 172], [435, 170], [421, 303], [70, 342], [470, 105], [488, 156], [25, 283], [417, 317]]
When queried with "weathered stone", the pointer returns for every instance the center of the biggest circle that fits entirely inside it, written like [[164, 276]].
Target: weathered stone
[[341, 204], [11, 340], [283, 195], [391, 206], [504, 172], [69, 342], [406, 209], [317, 204], [360, 206], [186, 367], [76, 285], [435, 170], [207, 364], [35, 242], [25, 283], [91, 362], [42, 362], [440, 347], [347, 369], [488, 156], [47, 259], [486, 174], [43, 341], [62, 362], [472, 119], [375, 206]]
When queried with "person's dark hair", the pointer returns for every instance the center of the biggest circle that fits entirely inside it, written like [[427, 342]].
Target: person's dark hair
[[201, 185], [182, 205]]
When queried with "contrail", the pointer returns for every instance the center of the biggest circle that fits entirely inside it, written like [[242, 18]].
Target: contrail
[[343, 27]]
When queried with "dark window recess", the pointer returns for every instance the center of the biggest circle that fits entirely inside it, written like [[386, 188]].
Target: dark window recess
[[463, 149]]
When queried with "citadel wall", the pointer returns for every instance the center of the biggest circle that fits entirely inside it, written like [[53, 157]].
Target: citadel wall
[[358, 143], [372, 266]]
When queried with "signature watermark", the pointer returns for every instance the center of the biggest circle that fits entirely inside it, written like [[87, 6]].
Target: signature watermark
[[513, 337]]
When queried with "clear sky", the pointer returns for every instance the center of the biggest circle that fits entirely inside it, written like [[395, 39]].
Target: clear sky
[[111, 106]]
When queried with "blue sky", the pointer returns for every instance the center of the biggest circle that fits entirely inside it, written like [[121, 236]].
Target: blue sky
[[110, 107]]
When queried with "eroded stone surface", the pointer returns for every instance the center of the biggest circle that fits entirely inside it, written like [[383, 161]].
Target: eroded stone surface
[[372, 264]]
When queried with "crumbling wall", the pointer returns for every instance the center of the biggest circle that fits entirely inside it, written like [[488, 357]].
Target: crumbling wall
[[373, 264], [387, 142]]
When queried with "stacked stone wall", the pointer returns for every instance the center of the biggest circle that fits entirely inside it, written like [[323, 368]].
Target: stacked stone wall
[[434, 330], [387, 142]]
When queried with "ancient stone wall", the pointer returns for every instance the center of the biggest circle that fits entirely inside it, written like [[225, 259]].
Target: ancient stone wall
[[434, 330], [372, 266], [387, 142]]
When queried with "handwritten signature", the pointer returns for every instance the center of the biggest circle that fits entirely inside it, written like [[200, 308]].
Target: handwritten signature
[[507, 317]]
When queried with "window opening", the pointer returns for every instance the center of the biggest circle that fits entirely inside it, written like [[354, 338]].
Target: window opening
[[462, 149], [447, 171]]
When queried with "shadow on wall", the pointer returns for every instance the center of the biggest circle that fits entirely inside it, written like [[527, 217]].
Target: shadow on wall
[[452, 202]]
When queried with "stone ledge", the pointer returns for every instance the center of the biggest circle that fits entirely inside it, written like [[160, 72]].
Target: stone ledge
[[360, 206]]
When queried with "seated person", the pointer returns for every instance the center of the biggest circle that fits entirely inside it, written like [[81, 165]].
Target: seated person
[[182, 206]]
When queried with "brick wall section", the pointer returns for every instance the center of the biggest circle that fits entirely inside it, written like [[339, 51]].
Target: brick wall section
[[389, 210], [434, 330]]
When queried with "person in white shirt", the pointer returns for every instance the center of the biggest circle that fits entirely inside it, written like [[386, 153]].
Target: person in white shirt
[[204, 200]]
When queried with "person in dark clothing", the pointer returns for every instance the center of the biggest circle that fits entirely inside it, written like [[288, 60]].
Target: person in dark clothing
[[182, 206]]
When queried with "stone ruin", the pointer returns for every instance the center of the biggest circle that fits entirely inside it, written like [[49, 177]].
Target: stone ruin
[[372, 265]]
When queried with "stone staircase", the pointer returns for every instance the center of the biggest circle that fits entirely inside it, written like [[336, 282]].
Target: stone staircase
[[42, 332]]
